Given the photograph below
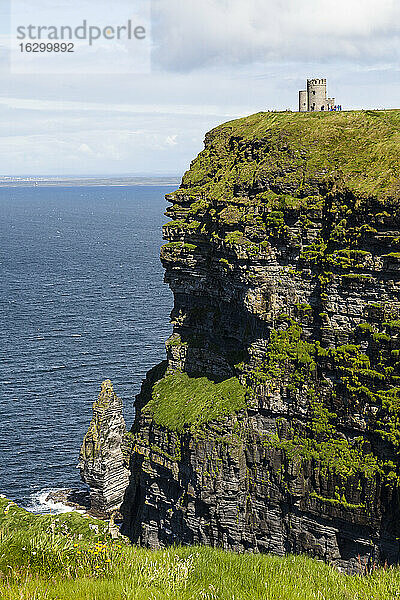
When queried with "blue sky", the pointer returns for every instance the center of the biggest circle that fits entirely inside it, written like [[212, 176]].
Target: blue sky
[[212, 60]]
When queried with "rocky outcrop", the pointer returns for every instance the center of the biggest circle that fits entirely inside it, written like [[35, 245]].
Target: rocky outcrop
[[102, 463], [73, 498], [274, 423]]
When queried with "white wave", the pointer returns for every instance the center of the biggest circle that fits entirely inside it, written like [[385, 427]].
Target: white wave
[[40, 504]]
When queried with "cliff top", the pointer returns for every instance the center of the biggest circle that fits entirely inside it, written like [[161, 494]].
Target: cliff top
[[357, 150]]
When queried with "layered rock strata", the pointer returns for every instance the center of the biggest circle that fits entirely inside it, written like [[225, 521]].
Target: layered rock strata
[[102, 463], [273, 425]]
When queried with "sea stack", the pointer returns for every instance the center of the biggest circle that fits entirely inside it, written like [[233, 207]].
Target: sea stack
[[102, 464], [273, 426]]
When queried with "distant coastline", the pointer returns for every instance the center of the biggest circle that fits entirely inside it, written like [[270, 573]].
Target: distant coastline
[[85, 181]]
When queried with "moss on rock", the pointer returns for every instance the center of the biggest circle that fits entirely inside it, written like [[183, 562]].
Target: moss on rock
[[179, 400]]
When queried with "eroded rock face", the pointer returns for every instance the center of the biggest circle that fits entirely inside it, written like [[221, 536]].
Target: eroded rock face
[[101, 462], [283, 255], [230, 490]]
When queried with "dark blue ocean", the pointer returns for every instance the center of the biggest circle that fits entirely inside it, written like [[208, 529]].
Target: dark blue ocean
[[82, 299]]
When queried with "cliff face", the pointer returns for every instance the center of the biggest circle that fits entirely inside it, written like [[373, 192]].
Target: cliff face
[[101, 461], [274, 423]]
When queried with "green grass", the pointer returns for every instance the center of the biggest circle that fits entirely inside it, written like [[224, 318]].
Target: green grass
[[178, 246], [180, 400], [41, 564], [14, 518], [62, 557], [359, 149]]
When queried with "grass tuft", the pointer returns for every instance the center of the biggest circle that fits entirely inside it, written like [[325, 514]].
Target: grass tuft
[[73, 561], [180, 400]]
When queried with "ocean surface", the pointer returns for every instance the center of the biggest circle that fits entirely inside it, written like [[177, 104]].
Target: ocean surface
[[82, 299]]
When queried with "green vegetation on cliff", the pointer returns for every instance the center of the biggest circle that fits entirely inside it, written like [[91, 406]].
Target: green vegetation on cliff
[[264, 182], [179, 400], [295, 276], [63, 557], [295, 361], [359, 150]]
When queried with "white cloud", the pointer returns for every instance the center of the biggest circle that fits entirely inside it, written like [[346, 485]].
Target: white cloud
[[101, 150], [33, 104], [93, 51], [171, 140], [214, 60], [85, 149], [191, 34]]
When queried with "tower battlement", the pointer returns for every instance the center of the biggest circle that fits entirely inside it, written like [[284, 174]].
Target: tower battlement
[[314, 98], [316, 81]]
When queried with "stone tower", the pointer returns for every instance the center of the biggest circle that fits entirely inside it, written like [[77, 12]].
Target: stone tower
[[314, 98]]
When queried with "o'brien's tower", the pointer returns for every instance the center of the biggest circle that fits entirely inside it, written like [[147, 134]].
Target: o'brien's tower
[[314, 98]]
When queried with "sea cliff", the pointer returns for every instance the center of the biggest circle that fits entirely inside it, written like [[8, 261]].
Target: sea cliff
[[273, 425]]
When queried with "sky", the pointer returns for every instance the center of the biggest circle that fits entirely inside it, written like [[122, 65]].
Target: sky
[[210, 61]]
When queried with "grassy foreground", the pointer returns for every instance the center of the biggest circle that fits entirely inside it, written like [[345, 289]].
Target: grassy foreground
[[71, 557]]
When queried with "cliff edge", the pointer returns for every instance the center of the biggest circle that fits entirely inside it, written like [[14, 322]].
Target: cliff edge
[[273, 425]]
